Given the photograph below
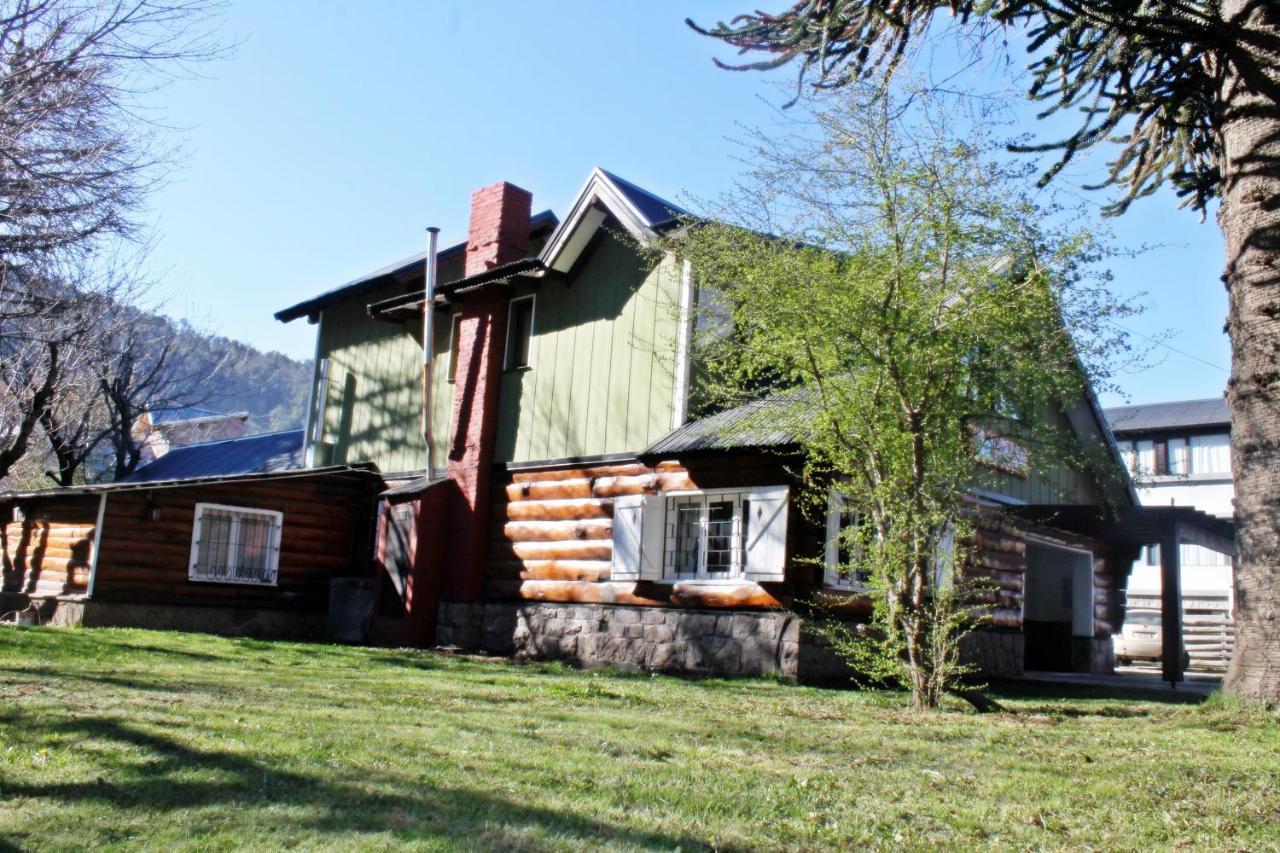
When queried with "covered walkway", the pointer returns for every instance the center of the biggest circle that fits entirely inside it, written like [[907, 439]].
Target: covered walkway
[[1130, 529]]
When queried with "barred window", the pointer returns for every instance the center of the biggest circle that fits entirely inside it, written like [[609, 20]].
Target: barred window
[[235, 545]]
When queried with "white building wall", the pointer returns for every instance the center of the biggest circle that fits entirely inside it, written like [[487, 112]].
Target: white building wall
[[1211, 491]]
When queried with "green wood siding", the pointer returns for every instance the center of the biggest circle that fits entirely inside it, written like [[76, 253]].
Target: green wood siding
[[603, 354], [601, 378], [374, 394], [1058, 485]]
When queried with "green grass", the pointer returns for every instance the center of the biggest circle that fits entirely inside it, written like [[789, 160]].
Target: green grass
[[135, 738]]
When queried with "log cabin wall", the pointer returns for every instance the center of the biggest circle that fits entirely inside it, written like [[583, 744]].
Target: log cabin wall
[[326, 533], [549, 592], [551, 533], [48, 551]]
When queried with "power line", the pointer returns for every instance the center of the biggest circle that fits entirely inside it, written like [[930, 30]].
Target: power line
[[1160, 343]]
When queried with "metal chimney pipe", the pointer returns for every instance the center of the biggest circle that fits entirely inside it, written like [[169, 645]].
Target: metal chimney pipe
[[428, 346]]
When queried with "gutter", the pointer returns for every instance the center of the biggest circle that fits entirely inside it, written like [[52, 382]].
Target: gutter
[[97, 545]]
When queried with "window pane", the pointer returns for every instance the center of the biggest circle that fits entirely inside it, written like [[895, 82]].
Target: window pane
[[1211, 454], [720, 538], [520, 334], [214, 549], [1146, 456], [253, 552], [1177, 456], [688, 534]]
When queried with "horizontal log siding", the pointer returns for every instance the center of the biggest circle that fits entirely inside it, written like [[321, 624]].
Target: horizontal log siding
[[324, 535], [48, 552], [551, 534], [998, 557]]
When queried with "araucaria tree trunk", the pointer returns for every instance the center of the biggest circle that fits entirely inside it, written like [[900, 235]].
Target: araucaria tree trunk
[[1250, 220]]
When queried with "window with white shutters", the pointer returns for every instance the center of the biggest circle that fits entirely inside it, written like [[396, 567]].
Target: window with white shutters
[[232, 544], [722, 535]]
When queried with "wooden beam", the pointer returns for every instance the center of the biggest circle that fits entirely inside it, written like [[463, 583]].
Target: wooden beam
[[1171, 604]]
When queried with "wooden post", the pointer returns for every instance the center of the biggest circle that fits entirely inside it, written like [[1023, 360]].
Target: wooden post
[[1170, 603]]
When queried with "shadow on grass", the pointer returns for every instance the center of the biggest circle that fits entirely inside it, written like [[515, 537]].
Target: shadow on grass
[[161, 782], [1059, 698]]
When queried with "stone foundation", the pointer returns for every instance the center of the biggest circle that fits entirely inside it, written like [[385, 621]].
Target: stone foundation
[[67, 612], [672, 639]]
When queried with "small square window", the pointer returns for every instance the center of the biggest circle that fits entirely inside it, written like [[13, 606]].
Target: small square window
[[235, 545], [519, 333]]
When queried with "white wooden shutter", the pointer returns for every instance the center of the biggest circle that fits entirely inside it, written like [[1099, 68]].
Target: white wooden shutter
[[831, 570], [766, 534], [653, 537], [627, 514]]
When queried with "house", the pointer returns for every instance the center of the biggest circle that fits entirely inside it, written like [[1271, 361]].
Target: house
[[156, 432], [548, 497], [1179, 453], [226, 536]]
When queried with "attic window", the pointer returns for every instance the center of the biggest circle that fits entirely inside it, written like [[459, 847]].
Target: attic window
[[520, 333]]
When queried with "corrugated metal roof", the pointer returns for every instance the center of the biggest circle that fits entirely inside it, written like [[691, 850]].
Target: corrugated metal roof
[[271, 451], [414, 488], [363, 470], [1179, 414], [187, 413], [773, 422], [406, 266]]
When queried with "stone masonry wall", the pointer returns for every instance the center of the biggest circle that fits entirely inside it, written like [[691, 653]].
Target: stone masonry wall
[[669, 639]]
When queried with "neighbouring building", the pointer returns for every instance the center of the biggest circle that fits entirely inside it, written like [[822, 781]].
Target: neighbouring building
[[159, 431], [1179, 454]]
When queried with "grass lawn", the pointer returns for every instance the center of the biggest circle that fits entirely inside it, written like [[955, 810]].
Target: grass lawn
[[161, 740]]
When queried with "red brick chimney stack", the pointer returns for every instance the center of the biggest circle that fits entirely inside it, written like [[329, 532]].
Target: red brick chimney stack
[[499, 231], [499, 234]]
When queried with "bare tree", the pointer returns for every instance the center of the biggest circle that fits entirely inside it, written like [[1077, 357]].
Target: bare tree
[[77, 159]]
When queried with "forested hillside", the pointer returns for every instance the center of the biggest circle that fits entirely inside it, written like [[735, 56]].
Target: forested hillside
[[269, 385]]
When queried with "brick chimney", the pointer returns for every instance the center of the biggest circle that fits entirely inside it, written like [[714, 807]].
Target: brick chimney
[[499, 234], [499, 231]]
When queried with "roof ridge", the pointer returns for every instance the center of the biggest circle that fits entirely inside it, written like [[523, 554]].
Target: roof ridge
[[226, 440]]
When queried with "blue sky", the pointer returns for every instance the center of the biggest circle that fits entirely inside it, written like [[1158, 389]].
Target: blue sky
[[339, 131]]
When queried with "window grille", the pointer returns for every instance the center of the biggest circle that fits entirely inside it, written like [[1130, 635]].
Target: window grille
[[704, 536], [235, 545]]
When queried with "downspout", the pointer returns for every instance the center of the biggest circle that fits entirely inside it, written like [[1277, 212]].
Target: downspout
[[428, 346], [97, 544]]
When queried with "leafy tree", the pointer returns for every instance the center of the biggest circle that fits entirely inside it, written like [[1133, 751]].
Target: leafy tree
[[911, 317], [1188, 93]]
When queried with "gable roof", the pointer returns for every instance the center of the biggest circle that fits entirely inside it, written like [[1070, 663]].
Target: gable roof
[[1177, 414], [255, 454], [404, 269], [640, 212]]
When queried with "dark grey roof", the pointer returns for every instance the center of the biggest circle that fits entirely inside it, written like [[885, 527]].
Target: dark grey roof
[[415, 299], [254, 454], [1180, 414], [656, 210], [772, 422], [408, 266]]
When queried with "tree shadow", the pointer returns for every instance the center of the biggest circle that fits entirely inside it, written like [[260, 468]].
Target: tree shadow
[[166, 778]]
